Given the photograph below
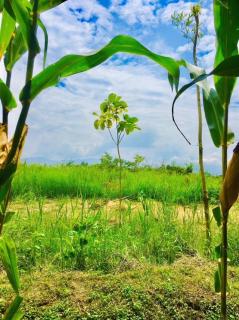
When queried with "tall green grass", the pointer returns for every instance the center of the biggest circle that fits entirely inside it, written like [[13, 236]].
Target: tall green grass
[[98, 182], [85, 235]]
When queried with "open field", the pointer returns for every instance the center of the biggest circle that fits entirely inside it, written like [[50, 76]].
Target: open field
[[179, 291], [77, 262], [34, 181]]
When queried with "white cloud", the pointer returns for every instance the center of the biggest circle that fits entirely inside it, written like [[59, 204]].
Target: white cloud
[[134, 11]]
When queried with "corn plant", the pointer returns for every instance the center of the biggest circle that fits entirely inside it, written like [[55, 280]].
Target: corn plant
[[189, 25], [226, 18], [115, 118], [18, 35]]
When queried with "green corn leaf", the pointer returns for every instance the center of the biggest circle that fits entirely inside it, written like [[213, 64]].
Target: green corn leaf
[[7, 97], [217, 281], [42, 26], [7, 31], [9, 260], [23, 17], [226, 20], [16, 51], [8, 216], [45, 5], [227, 68], [1, 5], [218, 251], [213, 109], [13, 312], [217, 215], [72, 64]]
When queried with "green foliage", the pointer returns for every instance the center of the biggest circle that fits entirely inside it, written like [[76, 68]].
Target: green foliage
[[9, 260], [15, 50], [13, 312], [185, 22], [45, 5], [213, 108], [21, 14], [107, 162], [6, 97], [168, 183], [217, 215], [6, 32], [114, 113], [42, 26], [73, 64], [226, 21]]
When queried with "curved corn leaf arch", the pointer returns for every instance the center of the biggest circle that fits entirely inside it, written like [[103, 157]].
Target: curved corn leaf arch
[[227, 68], [45, 5], [72, 64]]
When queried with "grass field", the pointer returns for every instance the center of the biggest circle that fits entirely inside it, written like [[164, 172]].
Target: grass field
[[99, 182], [77, 262]]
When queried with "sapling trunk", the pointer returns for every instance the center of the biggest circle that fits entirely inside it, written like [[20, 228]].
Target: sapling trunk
[[120, 179], [200, 143]]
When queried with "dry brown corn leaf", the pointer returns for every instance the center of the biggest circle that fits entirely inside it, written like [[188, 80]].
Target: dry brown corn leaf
[[4, 145], [230, 188], [7, 167]]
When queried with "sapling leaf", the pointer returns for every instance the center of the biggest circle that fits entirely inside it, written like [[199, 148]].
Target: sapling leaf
[[112, 97], [96, 124], [217, 215], [104, 106]]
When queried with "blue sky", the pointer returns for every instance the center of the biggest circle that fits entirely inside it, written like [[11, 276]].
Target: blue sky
[[61, 120]]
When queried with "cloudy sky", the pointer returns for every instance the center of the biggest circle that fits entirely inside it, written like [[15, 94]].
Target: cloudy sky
[[61, 120]]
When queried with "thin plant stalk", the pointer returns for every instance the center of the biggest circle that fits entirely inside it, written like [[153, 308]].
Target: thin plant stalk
[[120, 177], [200, 141], [25, 105], [224, 267], [224, 223], [4, 109], [225, 138], [29, 73]]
